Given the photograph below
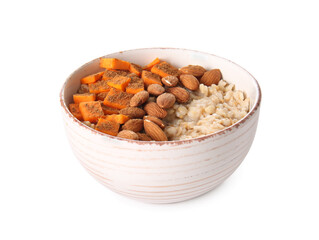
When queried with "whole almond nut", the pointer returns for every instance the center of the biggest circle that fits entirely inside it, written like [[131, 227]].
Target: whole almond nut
[[128, 134], [144, 137], [155, 89], [211, 77], [133, 112], [139, 98], [153, 109], [189, 81], [166, 100], [194, 70], [134, 125], [181, 94], [170, 81], [156, 120], [154, 131]]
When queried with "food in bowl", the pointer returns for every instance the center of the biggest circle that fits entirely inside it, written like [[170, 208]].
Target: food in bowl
[[162, 171], [158, 101]]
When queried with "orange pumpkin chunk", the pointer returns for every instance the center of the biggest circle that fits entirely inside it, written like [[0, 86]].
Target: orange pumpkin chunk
[[118, 118], [108, 127], [109, 74], [109, 110], [164, 69], [151, 78], [119, 82], [92, 78], [101, 96], [137, 69], [91, 111], [83, 97], [98, 87], [75, 110], [117, 99], [114, 63], [136, 85], [84, 88], [151, 64]]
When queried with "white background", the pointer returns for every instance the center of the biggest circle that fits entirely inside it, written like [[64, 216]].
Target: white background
[[46, 194]]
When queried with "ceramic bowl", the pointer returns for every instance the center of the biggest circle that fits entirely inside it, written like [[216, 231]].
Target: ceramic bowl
[[163, 172]]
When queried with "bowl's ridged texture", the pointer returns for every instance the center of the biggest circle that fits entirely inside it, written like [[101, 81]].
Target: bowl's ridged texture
[[164, 172], [161, 174]]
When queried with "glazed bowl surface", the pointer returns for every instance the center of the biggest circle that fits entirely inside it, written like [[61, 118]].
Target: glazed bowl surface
[[163, 172]]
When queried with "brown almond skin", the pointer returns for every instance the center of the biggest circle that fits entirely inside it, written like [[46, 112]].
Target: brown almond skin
[[128, 135], [170, 81], [154, 131], [144, 137], [211, 77], [195, 70], [133, 112], [139, 98], [189, 81], [153, 109], [166, 100], [181, 94], [155, 89], [135, 125], [156, 120]]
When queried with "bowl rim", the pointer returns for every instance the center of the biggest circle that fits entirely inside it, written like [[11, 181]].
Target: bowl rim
[[251, 112]]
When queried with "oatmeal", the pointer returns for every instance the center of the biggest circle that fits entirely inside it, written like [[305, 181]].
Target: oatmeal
[[210, 109]]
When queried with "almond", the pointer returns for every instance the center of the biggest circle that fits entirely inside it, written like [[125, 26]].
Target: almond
[[155, 89], [194, 70], [134, 125], [156, 120], [170, 81], [211, 77], [166, 100], [153, 109], [189, 81], [181, 94], [128, 134], [154, 131], [139, 98], [144, 137], [133, 112]]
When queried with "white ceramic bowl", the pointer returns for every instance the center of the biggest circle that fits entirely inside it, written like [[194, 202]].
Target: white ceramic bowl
[[163, 172]]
